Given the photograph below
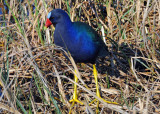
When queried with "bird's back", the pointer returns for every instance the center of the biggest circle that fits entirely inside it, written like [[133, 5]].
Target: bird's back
[[92, 36]]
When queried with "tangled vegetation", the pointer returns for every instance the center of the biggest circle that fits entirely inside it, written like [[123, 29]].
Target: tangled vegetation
[[36, 77]]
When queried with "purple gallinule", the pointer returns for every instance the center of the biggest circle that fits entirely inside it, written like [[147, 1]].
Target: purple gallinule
[[80, 40]]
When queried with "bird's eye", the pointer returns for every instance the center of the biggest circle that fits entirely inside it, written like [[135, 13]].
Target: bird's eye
[[51, 18]]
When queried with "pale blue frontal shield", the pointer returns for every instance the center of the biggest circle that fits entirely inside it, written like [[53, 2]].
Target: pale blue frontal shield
[[49, 15]]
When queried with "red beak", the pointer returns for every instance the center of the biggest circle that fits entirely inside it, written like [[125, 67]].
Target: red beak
[[48, 23]]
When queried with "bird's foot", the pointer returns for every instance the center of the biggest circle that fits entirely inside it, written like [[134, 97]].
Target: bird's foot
[[96, 100], [75, 100], [103, 100]]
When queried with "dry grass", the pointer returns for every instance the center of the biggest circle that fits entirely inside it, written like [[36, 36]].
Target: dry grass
[[36, 78]]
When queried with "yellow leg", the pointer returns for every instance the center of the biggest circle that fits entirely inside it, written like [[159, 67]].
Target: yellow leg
[[97, 88], [75, 97]]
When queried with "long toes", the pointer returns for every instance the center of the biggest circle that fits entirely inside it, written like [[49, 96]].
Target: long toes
[[104, 101], [76, 100]]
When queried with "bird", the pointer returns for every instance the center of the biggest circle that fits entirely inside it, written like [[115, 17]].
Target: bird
[[79, 39]]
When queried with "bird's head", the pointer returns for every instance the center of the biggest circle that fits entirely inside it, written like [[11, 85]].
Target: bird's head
[[57, 16]]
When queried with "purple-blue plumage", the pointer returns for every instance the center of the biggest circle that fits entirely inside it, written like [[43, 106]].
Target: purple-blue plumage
[[84, 44]]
